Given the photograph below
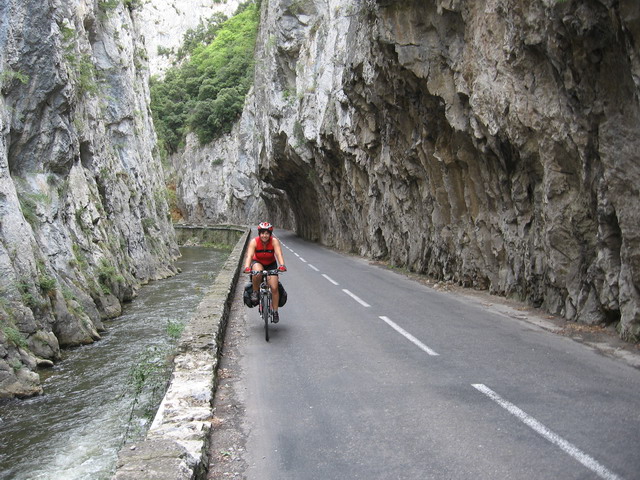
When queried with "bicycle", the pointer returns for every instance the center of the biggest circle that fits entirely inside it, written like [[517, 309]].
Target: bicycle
[[264, 298]]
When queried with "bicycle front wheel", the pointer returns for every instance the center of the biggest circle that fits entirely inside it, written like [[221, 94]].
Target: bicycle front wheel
[[266, 313]]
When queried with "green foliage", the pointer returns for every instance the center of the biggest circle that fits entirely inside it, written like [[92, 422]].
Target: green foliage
[[217, 246], [85, 71], [175, 329], [164, 51], [48, 284], [7, 76], [14, 336], [28, 208], [80, 257], [147, 382], [106, 5], [107, 275], [149, 370], [148, 224], [206, 94], [28, 298], [203, 34]]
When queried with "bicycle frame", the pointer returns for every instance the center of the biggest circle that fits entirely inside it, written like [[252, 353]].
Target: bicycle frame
[[264, 302]]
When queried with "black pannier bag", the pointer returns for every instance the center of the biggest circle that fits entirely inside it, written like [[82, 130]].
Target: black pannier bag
[[283, 295], [246, 296]]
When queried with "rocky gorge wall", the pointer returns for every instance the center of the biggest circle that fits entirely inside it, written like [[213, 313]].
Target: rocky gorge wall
[[83, 215], [493, 144]]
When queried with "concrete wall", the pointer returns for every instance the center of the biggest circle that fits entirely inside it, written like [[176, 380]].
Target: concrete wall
[[177, 444]]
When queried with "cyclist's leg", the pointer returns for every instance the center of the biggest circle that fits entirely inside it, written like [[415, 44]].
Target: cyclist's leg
[[256, 279], [275, 293]]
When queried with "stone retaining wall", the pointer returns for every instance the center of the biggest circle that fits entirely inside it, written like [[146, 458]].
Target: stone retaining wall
[[218, 234], [177, 444]]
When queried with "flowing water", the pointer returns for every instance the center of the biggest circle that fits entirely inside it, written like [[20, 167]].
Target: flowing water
[[74, 430]]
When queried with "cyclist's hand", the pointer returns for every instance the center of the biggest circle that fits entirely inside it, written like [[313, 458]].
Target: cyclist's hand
[[282, 268], [247, 270]]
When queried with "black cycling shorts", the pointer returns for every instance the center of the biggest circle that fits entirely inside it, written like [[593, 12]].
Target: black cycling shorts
[[271, 266]]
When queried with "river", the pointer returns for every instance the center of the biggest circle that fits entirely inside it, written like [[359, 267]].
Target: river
[[74, 430]]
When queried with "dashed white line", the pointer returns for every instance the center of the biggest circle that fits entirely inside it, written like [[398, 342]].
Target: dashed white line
[[314, 268], [330, 279], [303, 260], [356, 298], [408, 336], [296, 254], [539, 428]]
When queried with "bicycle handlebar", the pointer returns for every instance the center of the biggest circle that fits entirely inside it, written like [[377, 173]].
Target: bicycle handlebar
[[267, 272]]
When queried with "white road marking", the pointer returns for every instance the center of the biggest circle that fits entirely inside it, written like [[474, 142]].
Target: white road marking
[[296, 254], [314, 268], [539, 428], [330, 279], [303, 260], [408, 336], [356, 298]]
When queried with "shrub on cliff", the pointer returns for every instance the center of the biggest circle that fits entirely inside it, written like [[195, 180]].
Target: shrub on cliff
[[205, 94]]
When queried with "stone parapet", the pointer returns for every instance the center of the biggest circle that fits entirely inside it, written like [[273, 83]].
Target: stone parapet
[[201, 234], [177, 444]]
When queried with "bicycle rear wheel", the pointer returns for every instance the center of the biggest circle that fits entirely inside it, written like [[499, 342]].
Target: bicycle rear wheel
[[266, 312]]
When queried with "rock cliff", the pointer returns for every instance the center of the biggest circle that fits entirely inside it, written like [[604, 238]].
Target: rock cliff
[[493, 144], [83, 215]]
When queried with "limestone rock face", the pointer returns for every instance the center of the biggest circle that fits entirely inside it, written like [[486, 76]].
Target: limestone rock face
[[493, 144], [83, 215], [220, 182], [164, 23]]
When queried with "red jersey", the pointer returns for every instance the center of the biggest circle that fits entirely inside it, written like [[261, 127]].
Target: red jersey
[[264, 253]]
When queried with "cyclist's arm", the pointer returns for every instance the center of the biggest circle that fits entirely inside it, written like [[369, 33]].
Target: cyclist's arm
[[251, 250], [278, 251]]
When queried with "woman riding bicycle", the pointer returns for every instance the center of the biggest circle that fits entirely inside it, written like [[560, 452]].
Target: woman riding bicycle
[[264, 253]]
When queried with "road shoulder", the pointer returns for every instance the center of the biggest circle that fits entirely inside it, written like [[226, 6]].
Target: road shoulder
[[228, 436]]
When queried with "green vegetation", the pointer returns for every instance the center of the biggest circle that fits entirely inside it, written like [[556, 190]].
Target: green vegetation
[[28, 298], [175, 329], [148, 380], [107, 5], [148, 224], [14, 336], [108, 276], [206, 93], [7, 76], [80, 63], [147, 383], [48, 285], [29, 204], [217, 246], [80, 257]]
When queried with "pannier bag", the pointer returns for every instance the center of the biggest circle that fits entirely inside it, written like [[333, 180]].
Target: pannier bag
[[283, 295], [246, 296]]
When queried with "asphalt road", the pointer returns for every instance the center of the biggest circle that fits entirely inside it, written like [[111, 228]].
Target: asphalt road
[[371, 375]]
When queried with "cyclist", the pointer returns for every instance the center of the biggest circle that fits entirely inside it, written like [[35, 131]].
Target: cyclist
[[265, 253]]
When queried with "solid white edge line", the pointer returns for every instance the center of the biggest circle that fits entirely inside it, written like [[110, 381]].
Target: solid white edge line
[[539, 428], [408, 336], [356, 298], [314, 268], [330, 279]]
